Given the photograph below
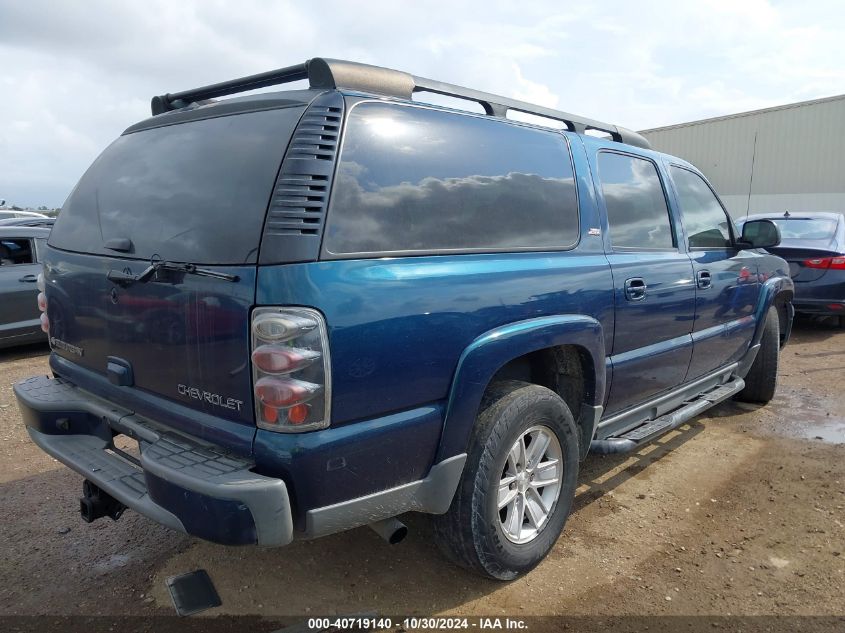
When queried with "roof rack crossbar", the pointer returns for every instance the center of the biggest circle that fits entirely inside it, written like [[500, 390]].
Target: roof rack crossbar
[[333, 73], [172, 101]]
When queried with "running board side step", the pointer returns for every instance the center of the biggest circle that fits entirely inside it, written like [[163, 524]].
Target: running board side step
[[636, 437]]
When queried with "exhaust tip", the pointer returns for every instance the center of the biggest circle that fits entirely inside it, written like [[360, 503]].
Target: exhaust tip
[[398, 535], [391, 530]]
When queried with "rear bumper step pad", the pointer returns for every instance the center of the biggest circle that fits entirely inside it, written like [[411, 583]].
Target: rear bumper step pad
[[183, 484]]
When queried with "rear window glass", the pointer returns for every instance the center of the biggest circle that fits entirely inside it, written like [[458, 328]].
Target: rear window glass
[[419, 180], [806, 229], [192, 192]]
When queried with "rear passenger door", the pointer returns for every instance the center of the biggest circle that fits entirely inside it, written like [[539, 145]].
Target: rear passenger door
[[727, 285], [654, 292]]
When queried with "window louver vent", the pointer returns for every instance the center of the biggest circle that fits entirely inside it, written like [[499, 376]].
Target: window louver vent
[[298, 207]]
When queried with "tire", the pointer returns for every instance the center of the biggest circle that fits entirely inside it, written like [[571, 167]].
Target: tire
[[762, 378], [471, 533]]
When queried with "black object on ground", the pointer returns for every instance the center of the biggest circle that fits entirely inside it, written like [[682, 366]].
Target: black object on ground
[[193, 592]]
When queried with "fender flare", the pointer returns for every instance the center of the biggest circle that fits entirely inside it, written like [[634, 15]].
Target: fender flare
[[771, 289], [490, 351]]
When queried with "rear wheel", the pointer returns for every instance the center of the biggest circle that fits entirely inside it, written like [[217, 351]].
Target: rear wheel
[[761, 381], [517, 488]]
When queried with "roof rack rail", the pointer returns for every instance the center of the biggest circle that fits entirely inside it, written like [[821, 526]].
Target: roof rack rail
[[333, 73]]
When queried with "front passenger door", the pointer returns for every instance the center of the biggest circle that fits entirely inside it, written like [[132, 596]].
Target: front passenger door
[[726, 280]]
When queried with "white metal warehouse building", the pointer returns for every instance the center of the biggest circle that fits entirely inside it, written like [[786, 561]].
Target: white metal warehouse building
[[787, 158]]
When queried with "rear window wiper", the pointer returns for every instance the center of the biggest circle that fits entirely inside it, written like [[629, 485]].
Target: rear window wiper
[[126, 279]]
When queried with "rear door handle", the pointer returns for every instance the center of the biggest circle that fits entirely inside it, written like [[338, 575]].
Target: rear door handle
[[703, 279], [29, 278], [635, 289]]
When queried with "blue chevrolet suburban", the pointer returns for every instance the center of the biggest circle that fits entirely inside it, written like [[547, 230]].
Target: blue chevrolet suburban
[[316, 309]]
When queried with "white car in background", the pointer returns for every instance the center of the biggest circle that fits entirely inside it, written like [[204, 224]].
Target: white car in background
[[6, 214]]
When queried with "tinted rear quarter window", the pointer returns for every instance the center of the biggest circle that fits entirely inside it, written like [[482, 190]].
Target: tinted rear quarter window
[[636, 204], [194, 192], [418, 180]]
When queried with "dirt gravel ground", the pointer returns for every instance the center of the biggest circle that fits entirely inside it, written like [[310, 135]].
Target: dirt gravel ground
[[740, 512]]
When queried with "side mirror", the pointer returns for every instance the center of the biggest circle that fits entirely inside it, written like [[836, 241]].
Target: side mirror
[[759, 234]]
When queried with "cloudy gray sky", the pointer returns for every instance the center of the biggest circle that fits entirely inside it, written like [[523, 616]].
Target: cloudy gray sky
[[74, 74]]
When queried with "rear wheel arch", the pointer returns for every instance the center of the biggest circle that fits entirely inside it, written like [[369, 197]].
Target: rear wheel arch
[[563, 353], [568, 370]]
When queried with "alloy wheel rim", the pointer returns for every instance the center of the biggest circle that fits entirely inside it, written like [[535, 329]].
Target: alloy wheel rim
[[530, 484]]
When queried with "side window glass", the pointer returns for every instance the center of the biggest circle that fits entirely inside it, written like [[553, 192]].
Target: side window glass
[[704, 219], [636, 205], [15, 251], [419, 180]]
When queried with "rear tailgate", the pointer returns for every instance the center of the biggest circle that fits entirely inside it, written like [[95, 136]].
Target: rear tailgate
[[195, 192], [182, 337]]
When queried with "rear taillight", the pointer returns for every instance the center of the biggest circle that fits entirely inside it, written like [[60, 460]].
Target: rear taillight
[[42, 303], [271, 327], [280, 359], [291, 374], [825, 263], [279, 393]]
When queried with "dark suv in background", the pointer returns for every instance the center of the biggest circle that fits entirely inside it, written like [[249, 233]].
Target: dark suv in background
[[322, 308]]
